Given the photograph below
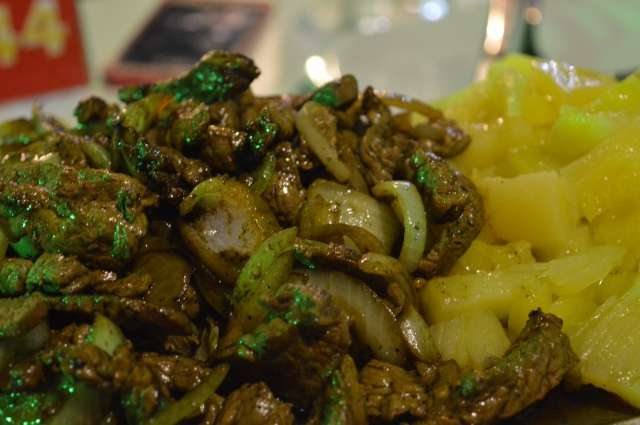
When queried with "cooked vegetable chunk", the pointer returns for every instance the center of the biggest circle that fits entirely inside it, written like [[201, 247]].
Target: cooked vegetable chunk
[[20, 315], [454, 204], [304, 336], [254, 404], [409, 208], [261, 277], [343, 402], [318, 127], [224, 224], [94, 214], [218, 76], [607, 344], [534, 207], [189, 405], [535, 364], [333, 211], [471, 339]]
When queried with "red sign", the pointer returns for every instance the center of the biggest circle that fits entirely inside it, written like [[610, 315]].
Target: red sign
[[40, 47]]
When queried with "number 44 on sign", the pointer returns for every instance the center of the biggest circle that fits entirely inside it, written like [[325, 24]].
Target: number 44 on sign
[[43, 28]]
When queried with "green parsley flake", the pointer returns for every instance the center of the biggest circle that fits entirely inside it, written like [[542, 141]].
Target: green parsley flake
[[67, 384], [123, 203], [25, 247], [468, 386], [120, 248], [303, 259], [326, 96], [17, 408], [252, 345]]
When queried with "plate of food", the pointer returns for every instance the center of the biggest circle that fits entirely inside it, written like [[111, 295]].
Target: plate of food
[[197, 254]]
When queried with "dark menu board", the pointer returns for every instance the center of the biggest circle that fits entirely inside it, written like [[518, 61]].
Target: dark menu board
[[180, 32]]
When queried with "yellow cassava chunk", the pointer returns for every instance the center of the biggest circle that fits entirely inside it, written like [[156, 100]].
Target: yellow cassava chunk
[[519, 84], [482, 256], [532, 294], [448, 297], [485, 338], [449, 339], [608, 345], [468, 105], [607, 179], [471, 339], [571, 274], [573, 311], [512, 292], [487, 149], [615, 284], [525, 160], [576, 132], [623, 97], [620, 228], [525, 89], [535, 207], [510, 114]]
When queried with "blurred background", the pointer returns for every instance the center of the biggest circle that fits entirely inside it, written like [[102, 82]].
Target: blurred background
[[56, 52]]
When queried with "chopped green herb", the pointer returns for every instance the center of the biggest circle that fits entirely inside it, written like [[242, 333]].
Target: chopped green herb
[[416, 160], [326, 96], [261, 132], [132, 94], [67, 384], [18, 408], [120, 248], [25, 247], [123, 203], [468, 386], [303, 259], [252, 345]]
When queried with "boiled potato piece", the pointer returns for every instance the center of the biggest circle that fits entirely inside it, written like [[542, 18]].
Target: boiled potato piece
[[576, 132], [448, 297], [482, 256], [333, 210], [525, 160], [615, 284], [573, 311], [620, 228], [608, 345], [623, 97], [449, 339], [572, 274], [485, 338], [532, 294], [471, 339], [535, 207], [607, 178], [487, 148], [512, 292], [506, 144], [522, 85]]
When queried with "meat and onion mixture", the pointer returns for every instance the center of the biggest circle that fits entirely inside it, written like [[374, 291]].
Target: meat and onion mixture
[[201, 255]]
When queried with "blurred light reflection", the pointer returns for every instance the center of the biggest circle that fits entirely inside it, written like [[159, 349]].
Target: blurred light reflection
[[374, 24], [321, 70], [434, 10], [533, 15], [496, 27]]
